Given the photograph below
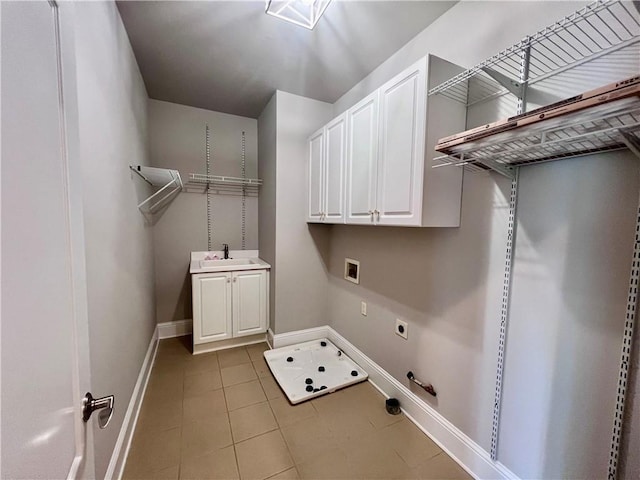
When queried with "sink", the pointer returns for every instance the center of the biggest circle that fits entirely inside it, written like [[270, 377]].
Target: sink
[[226, 262]]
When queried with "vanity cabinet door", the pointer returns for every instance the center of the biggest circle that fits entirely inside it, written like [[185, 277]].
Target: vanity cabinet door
[[249, 302], [212, 307]]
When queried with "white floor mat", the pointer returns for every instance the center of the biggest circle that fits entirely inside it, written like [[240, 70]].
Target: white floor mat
[[311, 369]]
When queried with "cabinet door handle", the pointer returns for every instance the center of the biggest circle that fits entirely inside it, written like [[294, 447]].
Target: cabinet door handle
[[371, 214], [235, 279], [228, 279], [378, 214]]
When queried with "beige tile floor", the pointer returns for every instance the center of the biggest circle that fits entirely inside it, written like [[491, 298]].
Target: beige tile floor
[[222, 416]]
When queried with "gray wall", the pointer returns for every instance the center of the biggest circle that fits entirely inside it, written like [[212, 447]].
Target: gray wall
[[297, 252], [177, 141], [570, 285], [267, 205], [570, 275], [301, 250], [112, 104]]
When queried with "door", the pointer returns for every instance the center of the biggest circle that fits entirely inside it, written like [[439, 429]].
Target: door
[[335, 162], [44, 316], [249, 302], [316, 177], [362, 158], [402, 133], [211, 307]]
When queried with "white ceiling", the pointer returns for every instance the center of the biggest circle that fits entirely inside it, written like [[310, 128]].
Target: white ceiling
[[229, 56]]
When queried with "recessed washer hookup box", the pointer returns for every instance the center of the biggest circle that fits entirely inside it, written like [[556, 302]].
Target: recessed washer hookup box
[[311, 369]]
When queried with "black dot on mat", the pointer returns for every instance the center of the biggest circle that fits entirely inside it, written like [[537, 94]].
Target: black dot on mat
[[321, 368], [324, 344], [354, 373], [308, 381], [309, 388], [323, 387], [316, 390], [289, 359]]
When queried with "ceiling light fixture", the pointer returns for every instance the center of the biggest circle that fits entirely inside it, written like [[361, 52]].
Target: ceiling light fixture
[[305, 13]]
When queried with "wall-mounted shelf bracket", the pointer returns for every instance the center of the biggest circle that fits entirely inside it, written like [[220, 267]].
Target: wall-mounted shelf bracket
[[168, 180], [514, 86], [631, 142], [459, 160]]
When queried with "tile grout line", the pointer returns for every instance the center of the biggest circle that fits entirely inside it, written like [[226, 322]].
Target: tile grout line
[[233, 441]]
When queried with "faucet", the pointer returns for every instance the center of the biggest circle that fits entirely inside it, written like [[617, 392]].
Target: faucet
[[226, 250]]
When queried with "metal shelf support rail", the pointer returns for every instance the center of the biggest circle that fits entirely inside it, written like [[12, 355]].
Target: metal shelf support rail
[[627, 339], [168, 180], [244, 195], [597, 29], [209, 193], [523, 76]]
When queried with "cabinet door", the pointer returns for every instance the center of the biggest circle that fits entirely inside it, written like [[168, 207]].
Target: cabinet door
[[401, 161], [249, 302], [335, 133], [362, 158], [316, 177], [211, 307]]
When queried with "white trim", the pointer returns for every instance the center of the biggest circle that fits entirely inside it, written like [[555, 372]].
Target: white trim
[[471, 456], [270, 336], [229, 343], [123, 443], [179, 328], [299, 336]]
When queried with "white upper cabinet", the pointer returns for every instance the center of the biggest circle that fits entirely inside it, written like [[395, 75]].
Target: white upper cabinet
[[316, 174], [362, 159], [390, 137], [327, 164], [335, 164], [401, 148]]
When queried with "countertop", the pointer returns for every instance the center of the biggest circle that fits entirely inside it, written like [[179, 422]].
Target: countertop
[[253, 255]]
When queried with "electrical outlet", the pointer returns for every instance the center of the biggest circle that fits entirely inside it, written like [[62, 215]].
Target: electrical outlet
[[363, 308], [402, 328]]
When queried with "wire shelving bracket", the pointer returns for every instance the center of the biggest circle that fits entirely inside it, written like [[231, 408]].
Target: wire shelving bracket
[[169, 182]]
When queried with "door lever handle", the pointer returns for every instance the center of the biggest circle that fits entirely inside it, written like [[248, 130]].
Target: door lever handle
[[90, 405]]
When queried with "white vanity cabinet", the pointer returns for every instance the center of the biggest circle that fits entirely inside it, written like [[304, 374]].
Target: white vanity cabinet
[[327, 164], [229, 304], [390, 149]]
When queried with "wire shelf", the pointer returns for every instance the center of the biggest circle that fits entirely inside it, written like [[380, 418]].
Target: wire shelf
[[604, 128], [168, 180], [595, 30], [200, 178]]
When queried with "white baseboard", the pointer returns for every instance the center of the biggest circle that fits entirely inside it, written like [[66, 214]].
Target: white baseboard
[[179, 328], [123, 443], [270, 336], [229, 343], [471, 456], [299, 336]]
